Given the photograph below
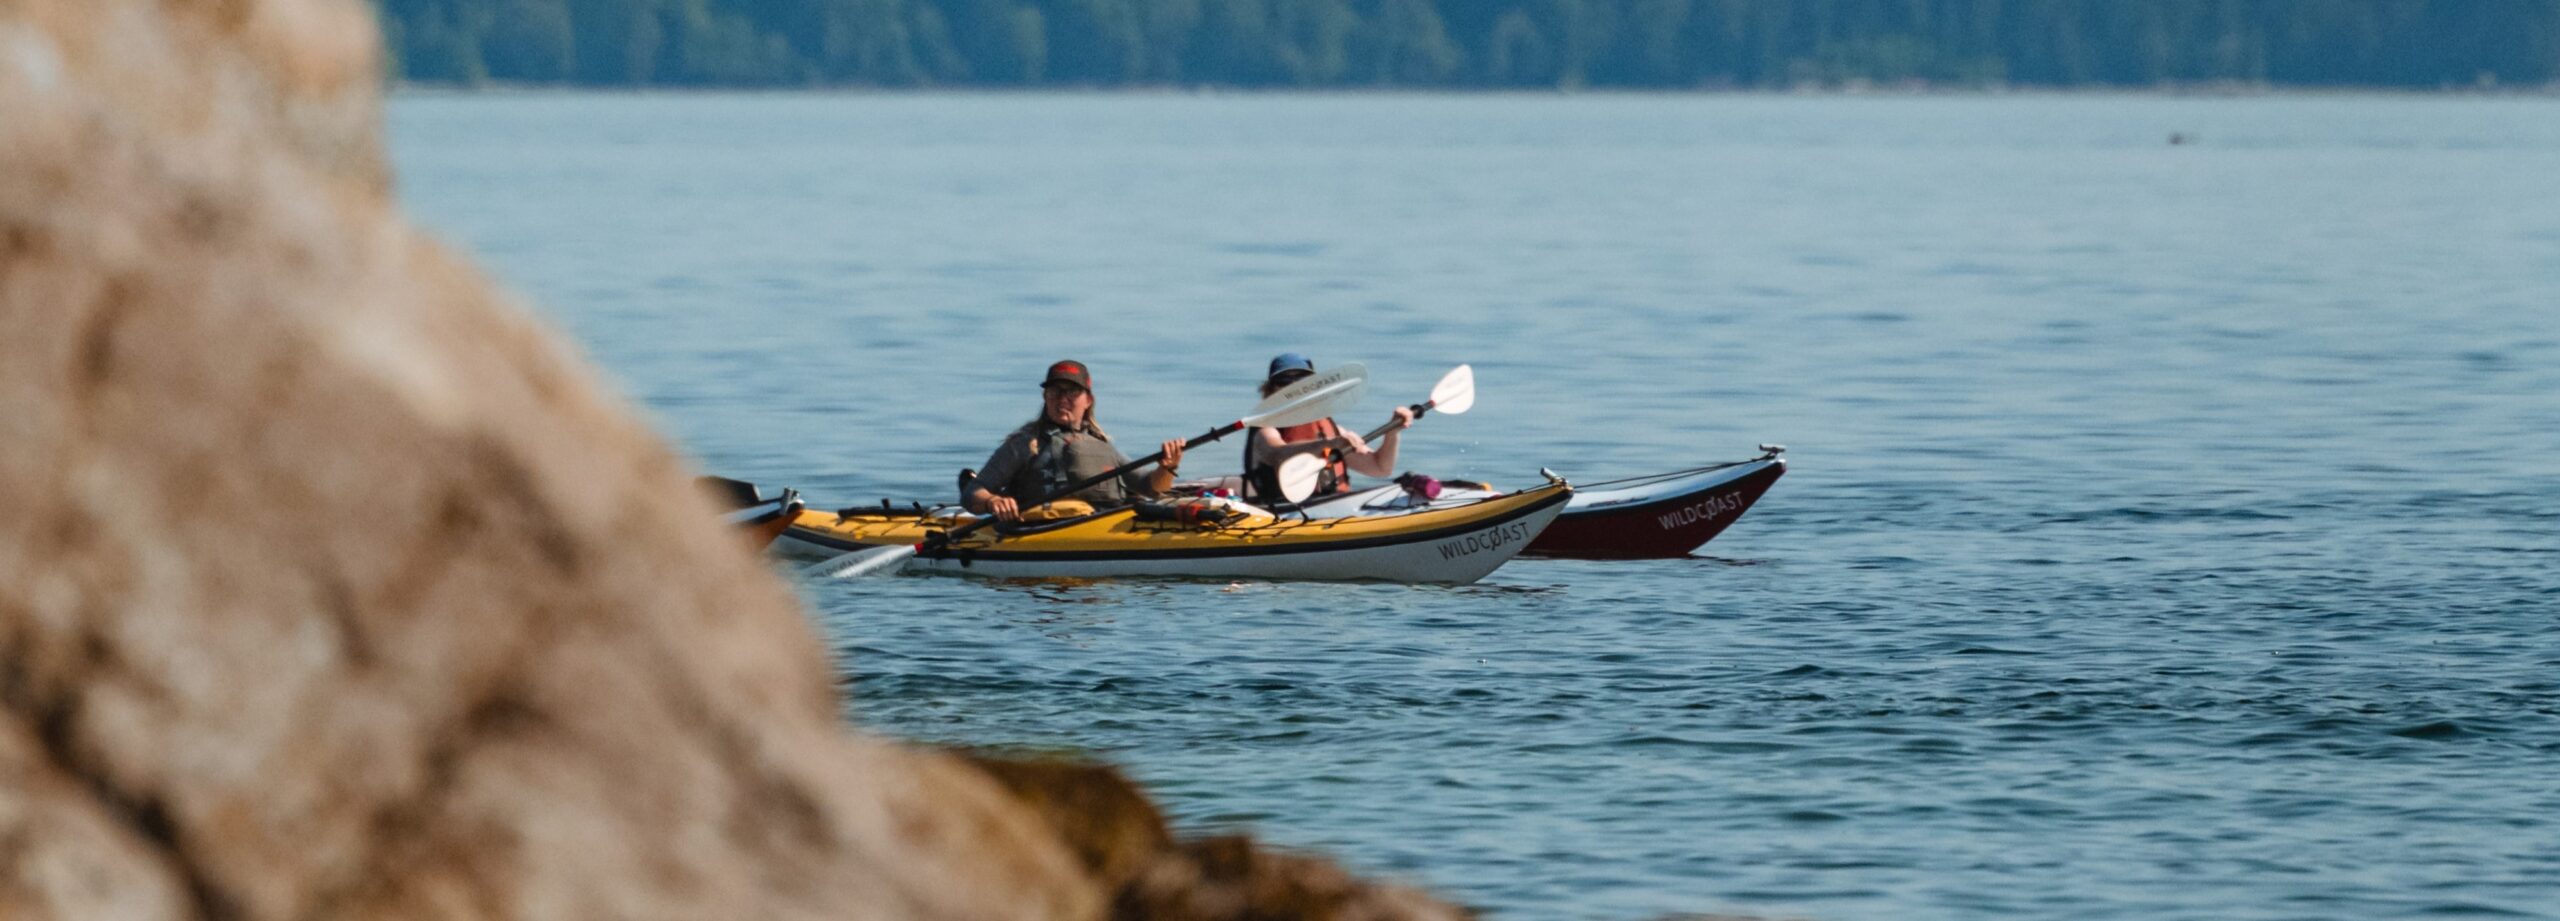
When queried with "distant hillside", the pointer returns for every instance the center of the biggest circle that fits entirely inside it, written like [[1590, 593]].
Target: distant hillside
[[1475, 43]]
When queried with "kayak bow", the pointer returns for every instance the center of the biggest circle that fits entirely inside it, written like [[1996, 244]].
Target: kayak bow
[[1661, 515]]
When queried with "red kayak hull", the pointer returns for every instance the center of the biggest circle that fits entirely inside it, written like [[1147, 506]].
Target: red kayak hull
[[762, 519], [1668, 525]]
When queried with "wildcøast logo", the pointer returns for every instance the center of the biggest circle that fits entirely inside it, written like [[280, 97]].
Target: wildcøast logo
[[1709, 509], [1481, 541]]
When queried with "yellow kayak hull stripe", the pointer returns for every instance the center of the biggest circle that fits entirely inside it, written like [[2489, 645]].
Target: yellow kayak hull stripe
[[1214, 551], [1113, 536]]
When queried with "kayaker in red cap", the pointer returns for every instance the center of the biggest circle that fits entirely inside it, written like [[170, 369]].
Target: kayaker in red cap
[[1060, 446], [1343, 452]]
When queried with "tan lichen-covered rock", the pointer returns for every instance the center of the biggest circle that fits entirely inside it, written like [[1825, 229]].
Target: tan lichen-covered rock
[[330, 587]]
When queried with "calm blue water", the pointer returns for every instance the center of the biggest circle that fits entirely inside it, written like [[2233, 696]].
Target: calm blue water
[[2173, 532]]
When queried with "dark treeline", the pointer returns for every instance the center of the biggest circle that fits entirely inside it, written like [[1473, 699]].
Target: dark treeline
[[1475, 43]]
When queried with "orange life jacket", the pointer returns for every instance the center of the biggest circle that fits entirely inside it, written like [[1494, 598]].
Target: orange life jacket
[[1262, 483]]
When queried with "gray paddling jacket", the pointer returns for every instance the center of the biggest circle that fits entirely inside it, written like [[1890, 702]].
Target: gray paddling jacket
[[1040, 458]]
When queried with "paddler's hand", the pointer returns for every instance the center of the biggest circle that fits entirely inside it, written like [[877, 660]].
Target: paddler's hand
[[1004, 508], [1403, 419], [1172, 461]]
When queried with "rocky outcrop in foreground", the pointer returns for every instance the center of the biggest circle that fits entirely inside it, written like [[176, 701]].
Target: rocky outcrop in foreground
[[331, 587]]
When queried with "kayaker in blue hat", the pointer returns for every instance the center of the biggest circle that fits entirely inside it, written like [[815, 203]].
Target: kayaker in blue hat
[[1060, 446], [1344, 453]]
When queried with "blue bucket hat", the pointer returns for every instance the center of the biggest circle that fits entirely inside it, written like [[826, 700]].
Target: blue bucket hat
[[1289, 361]]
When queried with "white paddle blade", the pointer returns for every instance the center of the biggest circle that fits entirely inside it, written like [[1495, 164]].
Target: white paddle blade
[[1298, 477], [859, 563], [1456, 392], [1322, 394]]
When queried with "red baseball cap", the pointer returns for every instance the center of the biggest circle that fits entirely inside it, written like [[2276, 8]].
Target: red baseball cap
[[1072, 372]]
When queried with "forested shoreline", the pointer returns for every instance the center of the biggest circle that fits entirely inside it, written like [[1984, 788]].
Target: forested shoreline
[[1493, 44]]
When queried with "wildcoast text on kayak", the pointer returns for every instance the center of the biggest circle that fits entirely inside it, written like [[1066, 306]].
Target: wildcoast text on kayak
[[1708, 510], [1484, 540]]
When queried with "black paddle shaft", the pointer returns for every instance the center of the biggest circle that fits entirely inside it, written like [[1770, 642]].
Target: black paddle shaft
[[1418, 410], [1070, 489]]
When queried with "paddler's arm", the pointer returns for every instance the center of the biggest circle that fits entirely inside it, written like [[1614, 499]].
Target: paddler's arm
[[1381, 461], [999, 469], [986, 503], [1160, 480]]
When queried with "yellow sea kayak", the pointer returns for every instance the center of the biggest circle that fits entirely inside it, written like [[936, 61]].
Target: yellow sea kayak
[[1454, 546]]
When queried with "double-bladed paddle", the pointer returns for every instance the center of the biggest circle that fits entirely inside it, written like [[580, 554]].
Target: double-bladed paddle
[[1454, 394], [1299, 403]]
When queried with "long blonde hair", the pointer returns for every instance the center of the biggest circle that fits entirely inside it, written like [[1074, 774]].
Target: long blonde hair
[[1091, 425]]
